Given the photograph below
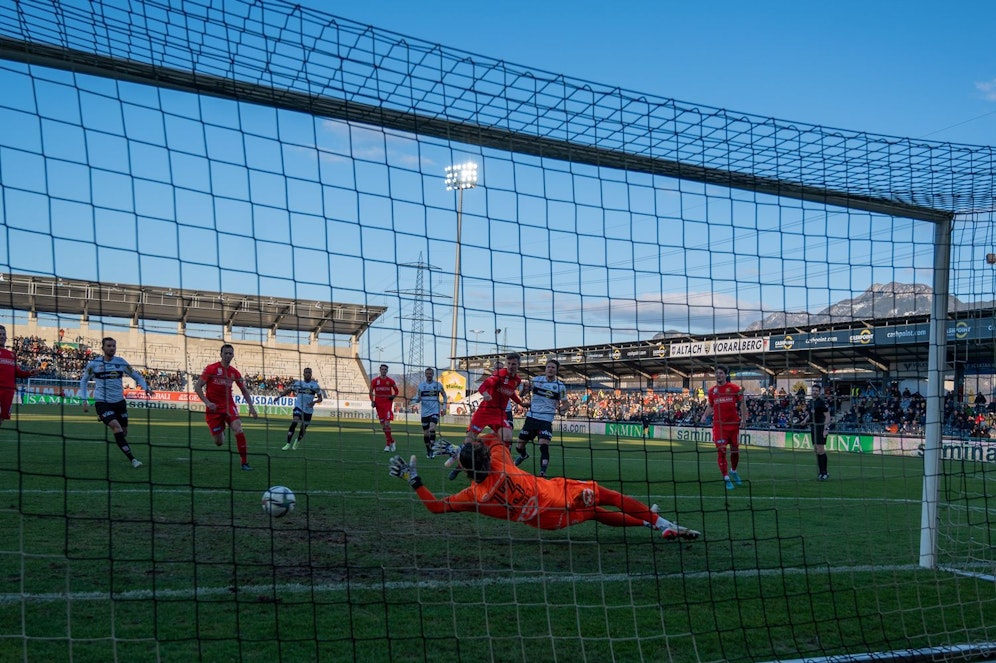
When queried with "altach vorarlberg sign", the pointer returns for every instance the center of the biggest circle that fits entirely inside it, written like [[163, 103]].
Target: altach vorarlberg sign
[[728, 346]]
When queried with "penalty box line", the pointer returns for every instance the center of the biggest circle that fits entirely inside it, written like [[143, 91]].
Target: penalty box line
[[397, 585]]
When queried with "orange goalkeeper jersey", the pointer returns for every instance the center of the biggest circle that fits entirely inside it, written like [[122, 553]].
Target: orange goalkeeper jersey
[[511, 493]]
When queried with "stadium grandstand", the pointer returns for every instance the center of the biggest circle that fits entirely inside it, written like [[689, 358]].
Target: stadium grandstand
[[873, 368], [878, 350], [176, 359], [661, 379]]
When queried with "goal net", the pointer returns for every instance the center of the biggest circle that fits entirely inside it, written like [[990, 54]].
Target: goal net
[[199, 178]]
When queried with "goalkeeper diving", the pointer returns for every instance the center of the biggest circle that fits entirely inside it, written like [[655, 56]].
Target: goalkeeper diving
[[499, 489]]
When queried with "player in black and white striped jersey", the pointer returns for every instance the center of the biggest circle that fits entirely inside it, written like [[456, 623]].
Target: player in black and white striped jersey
[[308, 394], [548, 398], [427, 395], [107, 372]]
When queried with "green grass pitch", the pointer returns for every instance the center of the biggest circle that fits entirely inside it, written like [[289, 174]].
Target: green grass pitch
[[176, 561]]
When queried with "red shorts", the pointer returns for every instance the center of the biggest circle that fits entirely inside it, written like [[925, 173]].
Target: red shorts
[[385, 410], [6, 398], [217, 419], [726, 435], [486, 417]]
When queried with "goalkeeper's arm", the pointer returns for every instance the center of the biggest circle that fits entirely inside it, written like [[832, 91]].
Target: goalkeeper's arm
[[407, 471], [445, 505]]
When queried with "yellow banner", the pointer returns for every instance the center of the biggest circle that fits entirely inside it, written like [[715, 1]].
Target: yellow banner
[[455, 385]]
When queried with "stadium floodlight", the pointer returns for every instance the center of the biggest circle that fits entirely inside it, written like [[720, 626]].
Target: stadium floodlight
[[461, 176], [458, 178], [477, 335]]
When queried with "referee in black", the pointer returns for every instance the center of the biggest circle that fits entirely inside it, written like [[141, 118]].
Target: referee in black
[[819, 415]]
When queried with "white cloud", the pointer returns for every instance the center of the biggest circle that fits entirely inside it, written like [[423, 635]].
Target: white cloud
[[988, 89], [698, 312], [650, 313]]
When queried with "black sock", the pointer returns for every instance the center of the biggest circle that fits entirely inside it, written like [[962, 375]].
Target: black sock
[[122, 442], [821, 460]]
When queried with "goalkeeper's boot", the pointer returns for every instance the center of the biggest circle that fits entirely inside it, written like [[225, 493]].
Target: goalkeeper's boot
[[136, 463], [671, 531], [286, 447], [674, 532], [729, 484], [735, 478]]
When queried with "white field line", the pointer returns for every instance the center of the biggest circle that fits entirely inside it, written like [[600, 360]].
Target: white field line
[[529, 578]]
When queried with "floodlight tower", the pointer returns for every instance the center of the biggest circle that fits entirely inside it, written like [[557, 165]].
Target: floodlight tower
[[458, 178]]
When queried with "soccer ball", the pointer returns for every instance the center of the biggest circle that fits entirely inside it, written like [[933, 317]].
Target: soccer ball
[[278, 501]]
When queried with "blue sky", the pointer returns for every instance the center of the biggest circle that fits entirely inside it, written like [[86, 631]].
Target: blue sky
[[913, 69], [211, 194]]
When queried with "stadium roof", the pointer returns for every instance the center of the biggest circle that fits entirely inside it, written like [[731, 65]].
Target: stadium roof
[[897, 347], [44, 294]]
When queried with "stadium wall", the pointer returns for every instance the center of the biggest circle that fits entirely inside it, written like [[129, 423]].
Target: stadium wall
[[335, 408], [337, 369], [974, 450]]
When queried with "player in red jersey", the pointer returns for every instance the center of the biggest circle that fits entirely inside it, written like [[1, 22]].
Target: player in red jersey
[[728, 410], [497, 390], [499, 489], [220, 403], [9, 372], [382, 392]]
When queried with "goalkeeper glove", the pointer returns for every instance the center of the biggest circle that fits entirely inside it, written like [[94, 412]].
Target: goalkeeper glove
[[442, 447], [399, 468]]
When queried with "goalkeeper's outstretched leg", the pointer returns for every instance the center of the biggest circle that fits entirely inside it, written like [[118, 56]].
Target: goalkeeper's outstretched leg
[[499, 489]]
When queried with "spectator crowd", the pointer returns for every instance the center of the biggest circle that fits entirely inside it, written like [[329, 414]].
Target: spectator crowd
[[871, 411], [51, 361], [66, 361]]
